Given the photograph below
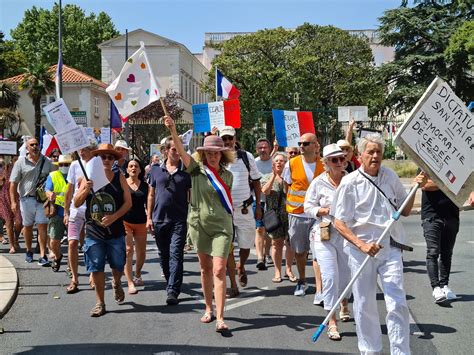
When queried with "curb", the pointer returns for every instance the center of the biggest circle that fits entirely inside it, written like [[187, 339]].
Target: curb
[[8, 285]]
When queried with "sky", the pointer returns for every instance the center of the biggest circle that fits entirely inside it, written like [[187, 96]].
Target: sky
[[186, 21]]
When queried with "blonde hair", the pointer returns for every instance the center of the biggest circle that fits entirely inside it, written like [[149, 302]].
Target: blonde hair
[[227, 157]]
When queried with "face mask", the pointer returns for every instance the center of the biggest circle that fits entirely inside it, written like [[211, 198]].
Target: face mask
[[64, 169]]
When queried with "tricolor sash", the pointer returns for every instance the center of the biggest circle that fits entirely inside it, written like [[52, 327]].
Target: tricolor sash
[[221, 188]]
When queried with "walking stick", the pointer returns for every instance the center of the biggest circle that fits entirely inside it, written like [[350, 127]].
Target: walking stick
[[395, 217]]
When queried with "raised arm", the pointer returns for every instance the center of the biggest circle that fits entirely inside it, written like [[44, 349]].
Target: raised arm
[[349, 130], [185, 157]]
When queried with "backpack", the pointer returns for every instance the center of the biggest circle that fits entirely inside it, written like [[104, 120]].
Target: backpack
[[242, 154]]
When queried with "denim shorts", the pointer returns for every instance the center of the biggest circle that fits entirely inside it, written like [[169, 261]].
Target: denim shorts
[[258, 222], [32, 211], [97, 251]]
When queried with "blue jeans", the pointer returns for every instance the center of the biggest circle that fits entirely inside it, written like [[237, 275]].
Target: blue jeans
[[170, 238], [97, 251]]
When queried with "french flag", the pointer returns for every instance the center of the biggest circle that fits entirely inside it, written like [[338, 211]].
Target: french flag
[[225, 88], [216, 114], [291, 125]]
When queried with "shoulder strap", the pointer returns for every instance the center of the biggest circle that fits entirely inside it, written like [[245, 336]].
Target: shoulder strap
[[378, 188], [242, 154], [38, 178]]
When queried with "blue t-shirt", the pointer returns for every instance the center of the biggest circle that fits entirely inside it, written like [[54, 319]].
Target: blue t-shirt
[[171, 193], [49, 187]]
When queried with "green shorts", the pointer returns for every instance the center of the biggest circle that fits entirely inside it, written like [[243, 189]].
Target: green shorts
[[56, 227]]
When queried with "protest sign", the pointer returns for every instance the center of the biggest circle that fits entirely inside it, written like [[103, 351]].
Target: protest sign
[[291, 125], [95, 172], [8, 148], [365, 131], [71, 141], [59, 117], [439, 136], [216, 114], [155, 150], [358, 113], [100, 135]]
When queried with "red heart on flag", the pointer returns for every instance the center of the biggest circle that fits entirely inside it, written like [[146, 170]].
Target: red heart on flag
[[131, 78], [118, 96], [143, 66]]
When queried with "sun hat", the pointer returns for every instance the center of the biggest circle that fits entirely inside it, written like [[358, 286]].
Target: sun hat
[[332, 150], [65, 159], [122, 144], [213, 144], [106, 148], [227, 131], [342, 143]]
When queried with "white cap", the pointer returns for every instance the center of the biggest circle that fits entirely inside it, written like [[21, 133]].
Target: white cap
[[227, 131], [332, 150], [122, 144]]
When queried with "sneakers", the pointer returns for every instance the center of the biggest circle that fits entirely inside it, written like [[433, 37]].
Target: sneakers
[[318, 299], [439, 295], [300, 289], [43, 261], [269, 260], [450, 295], [119, 295], [64, 240], [261, 265], [172, 299], [29, 257]]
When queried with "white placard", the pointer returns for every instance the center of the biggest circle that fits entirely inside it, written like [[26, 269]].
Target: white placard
[[95, 172], [155, 150], [59, 117], [439, 136], [358, 113], [105, 135], [73, 140], [100, 135], [8, 148]]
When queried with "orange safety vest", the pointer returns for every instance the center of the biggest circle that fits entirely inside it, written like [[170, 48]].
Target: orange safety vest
[[299, 184]]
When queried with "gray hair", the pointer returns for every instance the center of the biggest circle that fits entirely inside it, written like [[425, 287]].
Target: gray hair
[[370, 138], [282, 154]]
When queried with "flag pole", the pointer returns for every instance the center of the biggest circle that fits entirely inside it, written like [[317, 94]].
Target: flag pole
[[215, 79], [127, 128], [60, 50]]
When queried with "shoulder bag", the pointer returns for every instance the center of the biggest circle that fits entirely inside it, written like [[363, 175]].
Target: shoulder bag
[[271, 220]]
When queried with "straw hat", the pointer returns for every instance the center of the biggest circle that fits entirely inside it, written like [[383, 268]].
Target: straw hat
[[122, 144], [65, 159], [332, 150], [213, 144], [106, 148]]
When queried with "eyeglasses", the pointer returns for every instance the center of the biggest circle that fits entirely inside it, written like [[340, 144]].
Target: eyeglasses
[[107, 157], [293, 153], [304, 144], [63, 164], [227, 138], [340, 159]]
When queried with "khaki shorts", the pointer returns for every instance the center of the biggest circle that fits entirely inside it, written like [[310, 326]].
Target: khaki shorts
[[56, 227]]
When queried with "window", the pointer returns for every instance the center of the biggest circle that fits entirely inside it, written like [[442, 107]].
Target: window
[[96, 106]]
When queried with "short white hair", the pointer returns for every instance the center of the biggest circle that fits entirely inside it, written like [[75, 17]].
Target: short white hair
[[281, 154], [371, 138]]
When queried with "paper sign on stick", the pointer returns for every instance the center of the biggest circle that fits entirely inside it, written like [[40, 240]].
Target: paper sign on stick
[[72, 141], [291, 125], [95, 172], [59, 117], [439, 136], [358, 113], [216, 114]]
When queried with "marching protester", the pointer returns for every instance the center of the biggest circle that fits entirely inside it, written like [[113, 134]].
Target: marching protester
[[210, 216], [121, 164], [75, 218], [167, 206], [298, 174], [135, 225], [56, 187], [273, 188], [105, 232], [27, 174], [362, 207], [244, 172], [155, 160], [326, 242], [346, 146]]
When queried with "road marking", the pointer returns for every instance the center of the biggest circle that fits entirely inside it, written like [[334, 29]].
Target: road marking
[[419, 244], [470, 241], [239, 302]]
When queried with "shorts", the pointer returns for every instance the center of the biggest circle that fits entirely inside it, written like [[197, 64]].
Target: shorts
[[135, 229], [244, 228], [32, 211], [298, 232], [77, 219], [258, 222], [96, 251], [56, 227]]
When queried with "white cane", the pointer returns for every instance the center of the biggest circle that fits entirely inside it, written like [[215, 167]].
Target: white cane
[[395, 217]]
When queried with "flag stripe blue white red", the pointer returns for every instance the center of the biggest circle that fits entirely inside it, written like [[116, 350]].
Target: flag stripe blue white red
[[225, 88], [216, 114], [221, 188], [291, 125]]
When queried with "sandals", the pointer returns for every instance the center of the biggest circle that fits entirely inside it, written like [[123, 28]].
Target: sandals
[[56, 264], [119, 295], [137, 281], [12, 250], [233, 292], [243, 279], [292, 278], [207, 317], [221, 326], [344, 316], [72, 288], [132, 290], [334, 334], [276, 280], [98, 310]]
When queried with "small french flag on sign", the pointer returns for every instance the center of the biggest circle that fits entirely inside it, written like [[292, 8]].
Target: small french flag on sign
[[451, 177], [291, 125]]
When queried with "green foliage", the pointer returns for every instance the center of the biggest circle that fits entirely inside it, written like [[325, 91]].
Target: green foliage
[[325, 65], [420, 35], [389, 151], [36, 36], [9, 98], [403, 168]]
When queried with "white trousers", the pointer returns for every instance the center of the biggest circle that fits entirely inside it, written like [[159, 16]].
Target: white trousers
[[334, 266], [366, 315]]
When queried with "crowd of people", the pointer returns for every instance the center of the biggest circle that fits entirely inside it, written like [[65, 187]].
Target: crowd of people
[[332, 206]]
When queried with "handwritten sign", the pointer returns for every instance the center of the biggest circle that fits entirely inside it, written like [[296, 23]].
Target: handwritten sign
[[291, 125], [8, 148], [216, 114], [439, 136], [73, 140], [59, 117], [358, 113]]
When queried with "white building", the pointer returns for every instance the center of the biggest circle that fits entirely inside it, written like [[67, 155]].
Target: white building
[[173, 65]]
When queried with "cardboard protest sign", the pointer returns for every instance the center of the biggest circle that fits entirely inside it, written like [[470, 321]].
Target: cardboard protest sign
[[439, 136], [216, 114], [291, 125], [358, 113]]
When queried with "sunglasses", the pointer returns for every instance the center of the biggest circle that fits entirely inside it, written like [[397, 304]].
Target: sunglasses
[[34, 144], [304, 144], [107, 157], [340, 159], [227, 138], [63, 164]]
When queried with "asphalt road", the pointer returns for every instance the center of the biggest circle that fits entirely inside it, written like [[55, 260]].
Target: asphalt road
[[266, 318]]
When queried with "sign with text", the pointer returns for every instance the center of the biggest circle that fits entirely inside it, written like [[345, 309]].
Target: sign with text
[[80, 117], [216, 114], [100, 135], [59, 117], [155, 150], [73, 140], [8, 148], [439, 136], [358, 113], [291, 125]]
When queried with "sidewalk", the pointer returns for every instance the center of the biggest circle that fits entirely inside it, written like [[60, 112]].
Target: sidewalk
[[8, 285]]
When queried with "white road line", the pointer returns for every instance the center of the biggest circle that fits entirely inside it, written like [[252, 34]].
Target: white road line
[[239, 302], [244, 302], [470, 241], [419, 244]]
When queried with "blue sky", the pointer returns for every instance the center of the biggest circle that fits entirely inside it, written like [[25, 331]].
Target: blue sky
[[186, 21]]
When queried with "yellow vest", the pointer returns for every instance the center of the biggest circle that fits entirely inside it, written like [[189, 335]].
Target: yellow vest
[[299, 184], [59, 187]]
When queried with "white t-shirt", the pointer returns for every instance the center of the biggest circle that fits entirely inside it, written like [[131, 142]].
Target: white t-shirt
[[240, 185], [308, 169], [73, 175]]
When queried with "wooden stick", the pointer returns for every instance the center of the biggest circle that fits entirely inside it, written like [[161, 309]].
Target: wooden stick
[[163, 106]]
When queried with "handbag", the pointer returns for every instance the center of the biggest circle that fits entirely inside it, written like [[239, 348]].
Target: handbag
[[271, 220], [40, 193], [325, 229], [50, 209]]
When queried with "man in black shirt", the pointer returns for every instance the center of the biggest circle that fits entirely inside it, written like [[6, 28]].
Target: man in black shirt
[[167, 207], [440, 221]]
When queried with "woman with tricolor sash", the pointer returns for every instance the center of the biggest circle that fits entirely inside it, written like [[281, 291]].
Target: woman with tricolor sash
[[210, 216]]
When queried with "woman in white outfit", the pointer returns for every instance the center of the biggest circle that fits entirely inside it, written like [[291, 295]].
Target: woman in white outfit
[[332, 260]]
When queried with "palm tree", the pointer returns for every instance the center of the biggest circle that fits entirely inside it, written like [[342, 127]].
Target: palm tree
[[40, 81], [9, 100]]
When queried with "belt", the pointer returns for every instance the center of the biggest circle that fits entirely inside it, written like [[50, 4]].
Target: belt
[[395, 244]]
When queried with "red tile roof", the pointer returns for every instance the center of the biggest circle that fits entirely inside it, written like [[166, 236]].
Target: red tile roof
[[70, 75]]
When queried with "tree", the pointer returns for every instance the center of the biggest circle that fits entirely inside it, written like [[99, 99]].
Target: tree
[[39, 81], [325, 65], [9, 100], [420, 35], [37, 37]]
